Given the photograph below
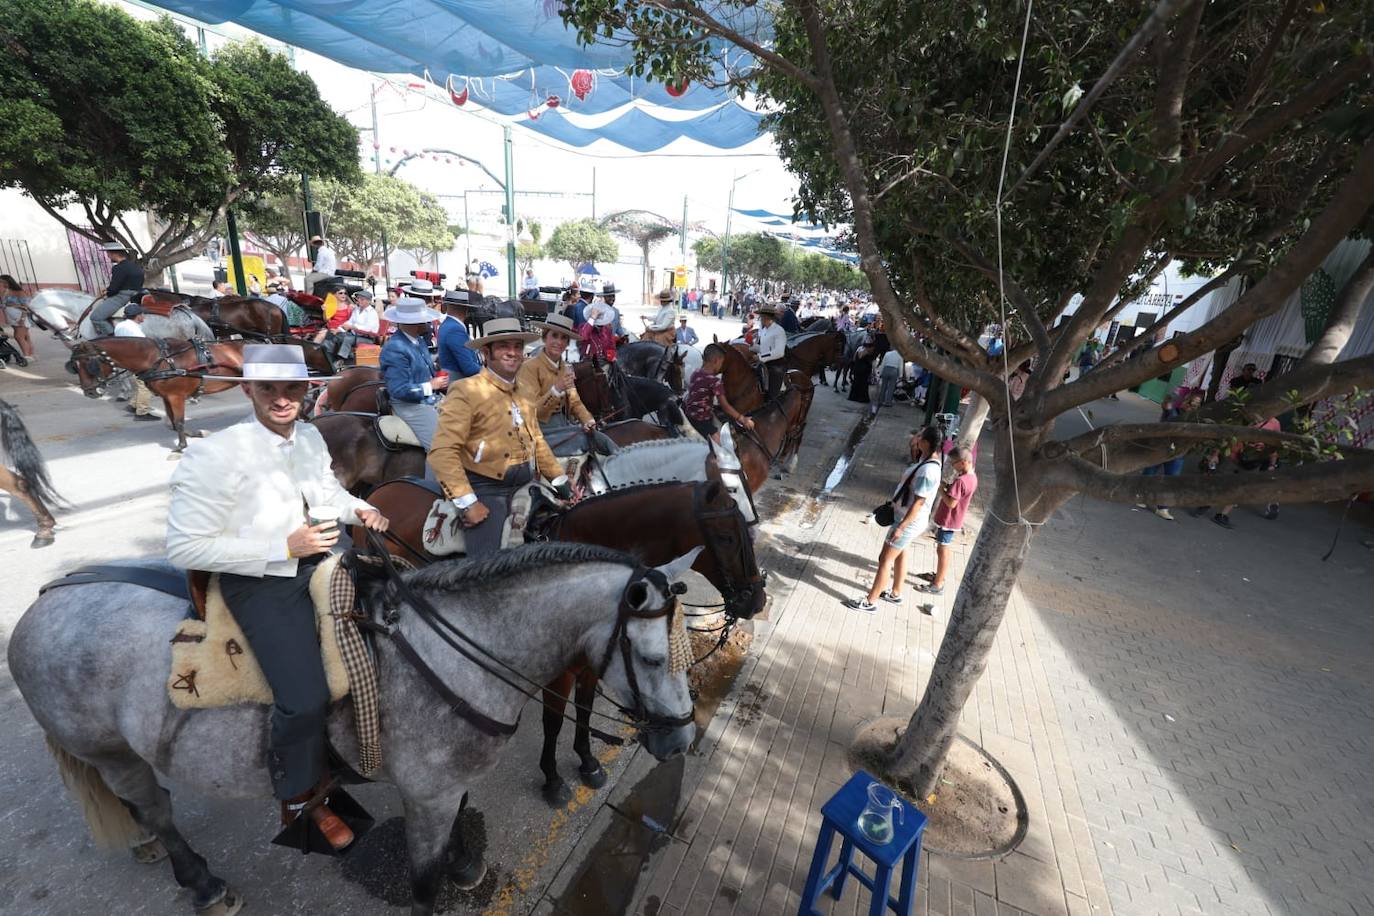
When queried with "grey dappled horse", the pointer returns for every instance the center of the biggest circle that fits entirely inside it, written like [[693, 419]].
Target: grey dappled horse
[[62, 309], [539, 608]]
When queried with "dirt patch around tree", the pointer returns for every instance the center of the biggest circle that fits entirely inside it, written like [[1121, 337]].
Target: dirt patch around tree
[[976, 811]]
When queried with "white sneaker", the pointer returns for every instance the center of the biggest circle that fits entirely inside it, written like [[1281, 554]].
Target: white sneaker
[[1141, 506], [1164, 514]]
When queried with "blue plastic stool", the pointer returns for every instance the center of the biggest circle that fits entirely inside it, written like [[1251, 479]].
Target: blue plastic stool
[[841, 814]]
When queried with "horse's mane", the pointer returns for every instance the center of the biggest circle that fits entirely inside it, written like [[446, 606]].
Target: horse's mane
[[651, 445], [449, 575], [630, 490]]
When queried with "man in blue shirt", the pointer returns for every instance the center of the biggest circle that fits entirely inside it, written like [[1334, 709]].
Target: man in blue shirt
[[408, 369], [455, 356], [686, 335]]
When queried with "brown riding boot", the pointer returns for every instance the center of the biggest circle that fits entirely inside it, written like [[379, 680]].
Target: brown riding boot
[[335, 832]]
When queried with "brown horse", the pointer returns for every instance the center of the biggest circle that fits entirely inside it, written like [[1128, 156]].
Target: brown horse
[[29, 479], [594, 388], [357, 389], [811, 354], [227, 315], [738, 375], [362, 460], [777, 433], [174, 370], [651, 522]]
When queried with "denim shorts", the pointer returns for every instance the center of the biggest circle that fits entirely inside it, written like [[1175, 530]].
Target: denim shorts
[[945, 535], [907, 536]]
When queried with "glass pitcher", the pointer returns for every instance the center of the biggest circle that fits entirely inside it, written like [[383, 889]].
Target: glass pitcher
[[876, 820]]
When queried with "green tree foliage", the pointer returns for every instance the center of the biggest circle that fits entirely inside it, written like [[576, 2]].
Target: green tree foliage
[[357, 218], [116, 115], [643, 228], [275, 222], [581, 241], [1219, 135]]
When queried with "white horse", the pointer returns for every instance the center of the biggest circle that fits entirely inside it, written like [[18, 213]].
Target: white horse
[[663, 460], [62, 309]]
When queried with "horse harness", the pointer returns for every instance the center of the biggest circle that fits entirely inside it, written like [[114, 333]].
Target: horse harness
[[637, 715], [164, 368]]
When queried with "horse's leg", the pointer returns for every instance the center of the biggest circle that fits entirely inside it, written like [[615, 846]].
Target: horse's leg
[[556, 692], [590, 769], [174, 402], [12, 483], [135, 783], [428, 827]]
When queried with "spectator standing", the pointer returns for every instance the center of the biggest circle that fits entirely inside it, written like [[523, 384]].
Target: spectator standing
[[1174, 466], [951, 507], [140, 403], [16, 305], [1250, 456], [686, 335], [911, 506], [893, 365], [1246, 379]]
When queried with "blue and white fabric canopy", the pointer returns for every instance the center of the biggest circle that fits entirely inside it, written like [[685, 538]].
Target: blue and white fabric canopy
[[510, 58]]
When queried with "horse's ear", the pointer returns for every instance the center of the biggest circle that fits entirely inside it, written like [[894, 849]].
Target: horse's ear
[[675, 568], [715, 339]]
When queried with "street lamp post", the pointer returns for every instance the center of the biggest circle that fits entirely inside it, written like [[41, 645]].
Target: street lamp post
[[725, 242]]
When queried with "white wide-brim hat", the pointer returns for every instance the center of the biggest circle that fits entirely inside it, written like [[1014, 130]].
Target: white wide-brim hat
[[599, 314], [409, 310], [561, 324], [275, 363], [499, 329], [422, 288]]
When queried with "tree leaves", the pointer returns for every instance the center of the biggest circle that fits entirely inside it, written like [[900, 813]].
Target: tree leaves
[[582, 241]]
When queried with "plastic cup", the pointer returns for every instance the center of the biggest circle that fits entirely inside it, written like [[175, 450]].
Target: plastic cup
[[323, 515]]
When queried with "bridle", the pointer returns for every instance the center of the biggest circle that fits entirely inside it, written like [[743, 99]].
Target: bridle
[[712, 522], [636, 715]]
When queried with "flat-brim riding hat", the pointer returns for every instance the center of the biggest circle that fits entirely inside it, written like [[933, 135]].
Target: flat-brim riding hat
[[560, 324], [114, 246], [409, 310], [608, 290], [499, 329], [457, 297], [770, 310], [665, 296], [422, 288], [275, 363]]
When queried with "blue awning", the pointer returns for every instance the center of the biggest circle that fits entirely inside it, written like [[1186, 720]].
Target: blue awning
[[725, 128]]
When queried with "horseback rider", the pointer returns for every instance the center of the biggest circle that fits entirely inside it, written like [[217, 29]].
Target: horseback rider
[[126, 281], [547, 383], [488, 441], [596, 339], [239, 504], [408, 369], [608, 297], [455, 356], [660, 328], [771, 346]]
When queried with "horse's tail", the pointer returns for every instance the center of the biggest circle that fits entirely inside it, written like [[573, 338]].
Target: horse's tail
[[110, 823], [28, 462]]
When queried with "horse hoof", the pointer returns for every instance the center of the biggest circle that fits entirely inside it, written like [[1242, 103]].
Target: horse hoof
[[228, 904], [469, 875], [196, 433], [42, 540], [594, 777], [148, 852], [557, 794]]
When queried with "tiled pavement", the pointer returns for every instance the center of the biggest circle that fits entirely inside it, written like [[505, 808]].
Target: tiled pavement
[[1186, 709]]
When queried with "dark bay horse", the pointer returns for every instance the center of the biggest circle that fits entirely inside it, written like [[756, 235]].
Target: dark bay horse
[[738, 375], [174, 370], [227, 315], [652, 360], [29, 478], [357, 389], [362, 460], [777, 433], [648, 522], [812, 353]]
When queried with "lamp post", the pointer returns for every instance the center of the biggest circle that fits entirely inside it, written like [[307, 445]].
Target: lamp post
[[725, 242]]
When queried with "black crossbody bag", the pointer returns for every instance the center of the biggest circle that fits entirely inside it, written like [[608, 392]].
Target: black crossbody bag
[[886, 513]]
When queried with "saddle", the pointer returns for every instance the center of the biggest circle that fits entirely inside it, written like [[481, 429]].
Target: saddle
[[442, 534], [393, 431]]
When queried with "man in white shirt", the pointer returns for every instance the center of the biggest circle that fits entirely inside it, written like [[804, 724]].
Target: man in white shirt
[[771, 346], [140, 402], [239, 502], [326, 263]]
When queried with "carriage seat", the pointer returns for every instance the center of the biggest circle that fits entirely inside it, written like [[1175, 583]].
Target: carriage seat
[[395, 431]]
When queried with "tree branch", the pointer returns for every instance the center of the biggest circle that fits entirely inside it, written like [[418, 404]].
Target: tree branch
[[1093, 442], [1348, 207], [1312, 482], [1193, 299], [1340, 324], [1260, 69], [1145, 33], [1307, 384], [870, 258], [1175, 58], [698, 15], [1018, 297]]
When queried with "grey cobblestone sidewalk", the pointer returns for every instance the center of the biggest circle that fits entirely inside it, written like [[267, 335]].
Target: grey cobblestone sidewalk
[[1187, 710]]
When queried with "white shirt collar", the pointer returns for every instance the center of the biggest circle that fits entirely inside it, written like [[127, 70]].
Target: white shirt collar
[[270, 438]]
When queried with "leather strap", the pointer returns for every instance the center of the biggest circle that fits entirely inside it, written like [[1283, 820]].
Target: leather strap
[[159, 580]]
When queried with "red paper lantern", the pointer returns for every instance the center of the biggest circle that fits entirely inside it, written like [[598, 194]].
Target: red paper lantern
[[459, 98], [677, 89], [582, 82], [553, 101]]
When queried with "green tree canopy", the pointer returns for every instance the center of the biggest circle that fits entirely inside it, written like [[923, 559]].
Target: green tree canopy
[[357, 218], [983, 151], [116, 115], [581, 241], [643, 228], [275, 222]]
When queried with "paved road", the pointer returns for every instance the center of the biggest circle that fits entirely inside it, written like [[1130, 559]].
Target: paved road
[[115, 471]]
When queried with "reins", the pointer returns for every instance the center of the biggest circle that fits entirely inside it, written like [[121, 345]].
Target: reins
[[488, 662]]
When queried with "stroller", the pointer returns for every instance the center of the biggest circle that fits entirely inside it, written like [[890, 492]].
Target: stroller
[[9, 353]]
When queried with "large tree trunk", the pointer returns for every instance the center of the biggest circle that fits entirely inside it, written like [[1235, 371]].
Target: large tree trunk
[[974, 416], [992, 571]]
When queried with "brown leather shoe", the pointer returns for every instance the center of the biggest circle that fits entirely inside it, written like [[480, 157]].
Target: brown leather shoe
[[336, 833]]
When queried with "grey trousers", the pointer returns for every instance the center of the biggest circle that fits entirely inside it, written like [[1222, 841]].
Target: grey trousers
[[485, 538], [103, 309], [278, 618], [887, 386]]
